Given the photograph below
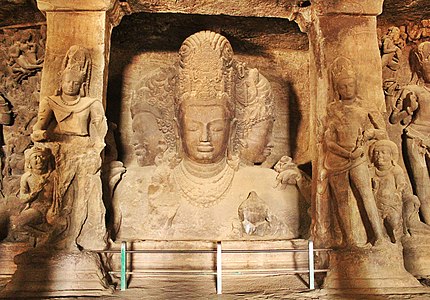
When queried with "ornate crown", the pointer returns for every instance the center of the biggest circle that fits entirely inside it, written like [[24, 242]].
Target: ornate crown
[[205, 71], [342, 68]]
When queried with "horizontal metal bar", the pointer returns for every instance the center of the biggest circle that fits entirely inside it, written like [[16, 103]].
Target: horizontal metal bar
[[226, 272], [161, 251]]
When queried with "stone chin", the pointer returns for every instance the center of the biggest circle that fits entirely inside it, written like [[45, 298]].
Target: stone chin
[[203, 157]]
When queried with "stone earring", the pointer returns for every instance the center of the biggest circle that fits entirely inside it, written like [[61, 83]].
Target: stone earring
[[82, 90]]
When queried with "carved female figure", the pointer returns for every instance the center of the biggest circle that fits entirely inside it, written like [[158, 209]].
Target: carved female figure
[[413, 110], [392, 45], [349, 127]]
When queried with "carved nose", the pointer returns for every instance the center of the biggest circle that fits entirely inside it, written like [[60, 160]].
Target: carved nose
[[204, 137]]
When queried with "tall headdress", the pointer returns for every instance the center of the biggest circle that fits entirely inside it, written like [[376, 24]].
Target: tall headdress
[[254, 99], [342, 68], [155, 95], [205, 71]]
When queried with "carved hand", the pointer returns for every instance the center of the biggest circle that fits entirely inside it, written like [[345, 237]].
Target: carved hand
[[358, 152], [289, 176], [39, 136], [411, 103]]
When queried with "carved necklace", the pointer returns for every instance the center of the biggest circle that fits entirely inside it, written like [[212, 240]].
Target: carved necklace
[[383, 173], [70, 103], [203, 191]]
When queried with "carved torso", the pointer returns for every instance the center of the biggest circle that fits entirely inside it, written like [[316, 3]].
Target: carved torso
[[190, 221], [42, 185], [421, 116], [388, 187], [346, 124], [72, 119]]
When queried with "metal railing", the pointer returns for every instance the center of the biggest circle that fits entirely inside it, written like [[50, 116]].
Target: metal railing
[[219, 253]]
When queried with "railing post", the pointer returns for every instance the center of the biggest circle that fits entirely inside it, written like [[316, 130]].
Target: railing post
[[218, 268], [311, 265], [123, 266]]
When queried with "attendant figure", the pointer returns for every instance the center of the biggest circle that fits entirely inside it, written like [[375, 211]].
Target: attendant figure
[[350, 125], [412, 109]]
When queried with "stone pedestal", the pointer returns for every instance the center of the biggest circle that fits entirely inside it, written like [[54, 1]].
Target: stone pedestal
[[243, 270], [369, 270], [8, 251], [59, 274], [416, 255]]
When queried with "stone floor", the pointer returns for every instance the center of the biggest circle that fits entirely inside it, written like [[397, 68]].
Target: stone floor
[[269, 287], [285, 294]]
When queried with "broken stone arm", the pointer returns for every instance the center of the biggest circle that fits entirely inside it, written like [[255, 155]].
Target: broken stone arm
[[400, 112], [44, 117], [98, 125]]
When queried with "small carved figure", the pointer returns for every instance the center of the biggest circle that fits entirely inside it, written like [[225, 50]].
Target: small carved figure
[[412, 109], [23, 59], [254, 215], [36, 191], [349, 127], [414, 31], [392, 45], [425, 28], [389, 186]]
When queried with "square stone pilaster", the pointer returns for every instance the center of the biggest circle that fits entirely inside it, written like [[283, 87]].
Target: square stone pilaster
[[347, 29], [338, 28]]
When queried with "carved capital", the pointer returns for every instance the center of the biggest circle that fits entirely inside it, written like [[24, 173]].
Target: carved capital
[[119, 10], [350, 7], [76, 5], [302, 16]]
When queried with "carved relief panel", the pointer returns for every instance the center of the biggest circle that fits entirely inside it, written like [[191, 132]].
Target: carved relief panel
[[198, 128]]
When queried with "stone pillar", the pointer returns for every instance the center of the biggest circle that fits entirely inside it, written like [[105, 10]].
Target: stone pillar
[[66, 267], [347, 29]]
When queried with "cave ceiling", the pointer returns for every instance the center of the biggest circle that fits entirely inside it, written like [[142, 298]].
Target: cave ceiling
[[17, 13]]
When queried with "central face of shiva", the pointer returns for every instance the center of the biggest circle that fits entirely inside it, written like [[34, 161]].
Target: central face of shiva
[[205, 132]]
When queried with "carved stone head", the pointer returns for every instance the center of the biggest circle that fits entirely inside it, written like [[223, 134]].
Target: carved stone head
[[423, 56], [383, 153], [204, 107], [344, 79], [77, 63], [152, 116], [254, 111], [72, 82], [147, 139], [38, 159]]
